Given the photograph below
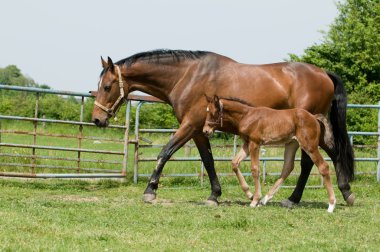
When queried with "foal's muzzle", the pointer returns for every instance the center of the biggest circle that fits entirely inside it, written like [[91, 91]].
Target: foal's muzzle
[[208, 132]]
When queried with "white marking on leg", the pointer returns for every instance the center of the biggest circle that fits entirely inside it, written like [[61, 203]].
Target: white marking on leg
[[331, 207]]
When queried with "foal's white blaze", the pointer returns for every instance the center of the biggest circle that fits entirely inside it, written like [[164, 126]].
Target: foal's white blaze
[[331, 207], [207, 109], [100, 82]]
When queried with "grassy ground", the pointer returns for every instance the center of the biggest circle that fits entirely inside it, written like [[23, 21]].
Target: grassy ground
[[68, 215]]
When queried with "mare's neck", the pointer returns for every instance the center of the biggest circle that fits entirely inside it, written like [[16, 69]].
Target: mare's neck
[[234, 112], [154, 79]]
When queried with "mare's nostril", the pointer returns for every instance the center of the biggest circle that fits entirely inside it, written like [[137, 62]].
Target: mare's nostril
[[97, 122]]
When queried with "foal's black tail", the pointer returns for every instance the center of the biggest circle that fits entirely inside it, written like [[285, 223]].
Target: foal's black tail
[[344, 151]]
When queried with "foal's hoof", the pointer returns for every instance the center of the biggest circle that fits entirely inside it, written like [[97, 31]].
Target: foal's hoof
[[287, 203], [254, 204], [149, 198], [211, 203], [351, 199]]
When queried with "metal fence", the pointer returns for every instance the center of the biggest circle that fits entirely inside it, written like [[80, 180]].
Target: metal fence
[[76, 166], [95, 166], [138, 158]]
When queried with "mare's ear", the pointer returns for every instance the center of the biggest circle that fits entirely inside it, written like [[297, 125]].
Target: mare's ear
[[93, 93], [104, 63], [110, 64]]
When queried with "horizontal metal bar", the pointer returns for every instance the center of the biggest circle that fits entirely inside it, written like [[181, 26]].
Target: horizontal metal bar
[[248, 159], [64, 175], [132, 97], [58, 167], [157, 130], [363, 106], [59, 158], [31, 119], [44, 91], [18, 132], [360, 133], [61, 148]]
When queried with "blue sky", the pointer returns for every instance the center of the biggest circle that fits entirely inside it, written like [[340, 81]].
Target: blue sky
[[59, 43]]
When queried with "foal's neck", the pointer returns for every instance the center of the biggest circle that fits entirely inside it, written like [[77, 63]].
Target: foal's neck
[[234, 111]]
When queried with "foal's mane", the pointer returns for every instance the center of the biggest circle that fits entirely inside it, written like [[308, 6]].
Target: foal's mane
[[163, 56], [237, 100]]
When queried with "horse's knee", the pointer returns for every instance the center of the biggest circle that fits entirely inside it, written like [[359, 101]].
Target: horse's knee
[[235, 165], [255, 170], [324, 169]]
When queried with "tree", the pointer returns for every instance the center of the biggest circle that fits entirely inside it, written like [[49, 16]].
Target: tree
[[351, 48]]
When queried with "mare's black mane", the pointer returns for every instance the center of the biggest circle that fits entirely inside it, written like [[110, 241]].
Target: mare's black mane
[[157, 56]]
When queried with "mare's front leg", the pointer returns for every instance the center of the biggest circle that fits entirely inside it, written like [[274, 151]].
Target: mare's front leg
[[243, 153], [289, 155], [204, 148], [254, 150], [183, 134]]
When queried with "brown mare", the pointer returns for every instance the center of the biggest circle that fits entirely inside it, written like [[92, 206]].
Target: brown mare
[[265, 126], [181, 78]]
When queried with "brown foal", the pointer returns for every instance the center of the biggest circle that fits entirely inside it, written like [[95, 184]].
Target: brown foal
[[264, 126]]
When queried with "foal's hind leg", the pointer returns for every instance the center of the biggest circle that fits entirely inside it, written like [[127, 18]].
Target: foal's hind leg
[[235, 167], [289, 155], [323, 168]]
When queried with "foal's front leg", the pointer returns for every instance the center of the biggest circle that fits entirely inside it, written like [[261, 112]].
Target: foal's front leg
[[235, 167], [254, 150]]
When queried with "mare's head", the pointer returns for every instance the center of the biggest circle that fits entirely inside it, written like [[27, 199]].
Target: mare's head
[[214, 116], [110, 94]]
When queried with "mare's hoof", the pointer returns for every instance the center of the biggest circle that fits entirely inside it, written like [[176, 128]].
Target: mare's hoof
[[211, 203], [149, 198], [287, 203], [351, 199]]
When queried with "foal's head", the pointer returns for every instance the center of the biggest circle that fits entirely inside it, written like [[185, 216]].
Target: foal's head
[[214, 117], [110, 94]]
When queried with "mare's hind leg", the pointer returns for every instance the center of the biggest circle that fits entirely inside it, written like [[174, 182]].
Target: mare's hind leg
[[235, 167], [323, 168], [295, 198], [289, 155], [254, 150]]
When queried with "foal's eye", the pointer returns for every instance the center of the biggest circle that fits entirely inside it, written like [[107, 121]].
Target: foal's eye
[[107, 88]]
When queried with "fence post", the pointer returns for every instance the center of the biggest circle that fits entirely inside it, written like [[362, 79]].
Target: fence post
[[126, 137], [378, 145], [34, 160], [137, 122]]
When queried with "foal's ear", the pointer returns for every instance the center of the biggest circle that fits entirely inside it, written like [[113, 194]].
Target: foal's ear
[[208, 98], [110, 64], [216, 99], [104, 63]]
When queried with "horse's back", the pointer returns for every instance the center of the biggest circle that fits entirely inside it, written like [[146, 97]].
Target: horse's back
[[278, 85]]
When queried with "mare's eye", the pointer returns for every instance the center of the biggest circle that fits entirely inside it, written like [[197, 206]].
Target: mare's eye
[[107, 88]]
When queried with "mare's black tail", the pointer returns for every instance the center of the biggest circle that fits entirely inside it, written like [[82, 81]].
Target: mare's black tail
[[343, 148]]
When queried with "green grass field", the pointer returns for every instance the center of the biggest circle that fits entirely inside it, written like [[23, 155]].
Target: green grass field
[[109, 215], [106, 215]]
